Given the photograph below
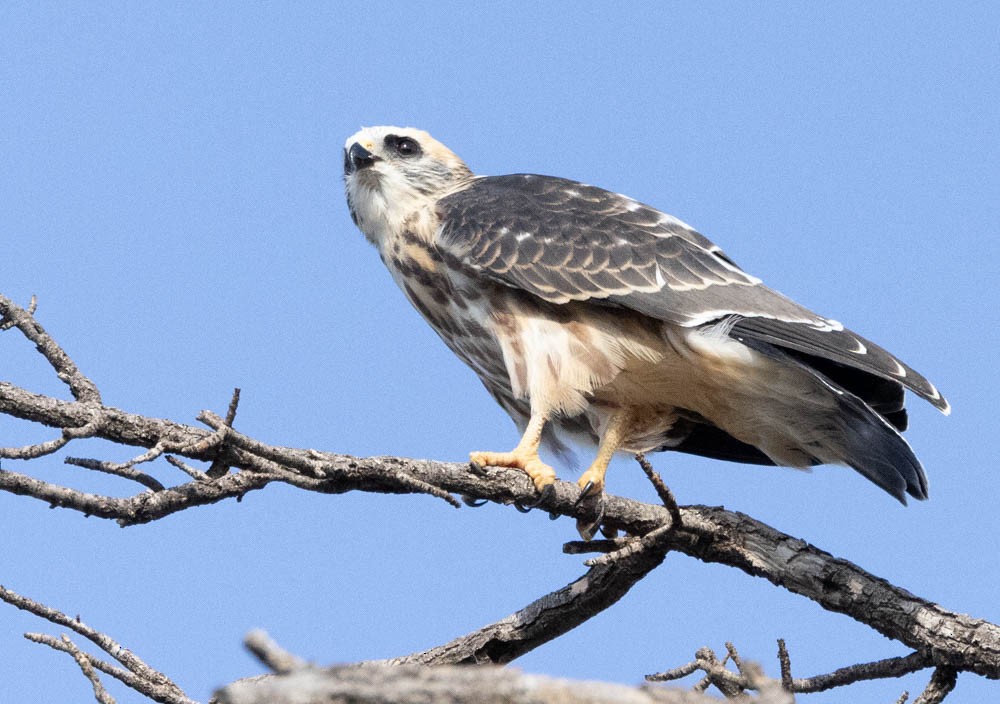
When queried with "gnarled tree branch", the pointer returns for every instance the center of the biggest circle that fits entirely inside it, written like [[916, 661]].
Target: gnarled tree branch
[[237, 464]]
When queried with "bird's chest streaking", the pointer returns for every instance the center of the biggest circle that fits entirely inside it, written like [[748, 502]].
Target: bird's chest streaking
[[568, 359], [559, 357], [448, 298]]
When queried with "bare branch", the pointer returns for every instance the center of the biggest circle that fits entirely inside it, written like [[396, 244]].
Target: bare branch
[[6, 323], [30, 452], [785, 663], [142, 508], [731, 684], [231, 411], [654, 541], [546, 618], [945, 639], [154, 684], [710, 534], [195, 474], [100, 694], [412, 684], [124, 676], [219, 465], [941, 684], [662, 490], [272, 655], [674, 673], [12, 315], [123, 469], [881, 669]]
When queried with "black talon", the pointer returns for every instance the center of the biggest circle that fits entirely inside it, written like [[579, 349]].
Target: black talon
[[543, 496], [585, 493], [473, 503], [477, 469], [588, 530]]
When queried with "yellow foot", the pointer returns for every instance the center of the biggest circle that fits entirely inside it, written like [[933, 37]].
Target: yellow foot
[[541, 474]]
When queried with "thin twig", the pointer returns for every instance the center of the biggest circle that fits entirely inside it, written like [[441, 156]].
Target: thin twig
[[674, 673], [231, 411], [662, 490], [731, 684], [940, 686], [30, 452], [880, 669], [652, 541], [124, 676], [82, 388], [165, 689], [187, 469], [219, 466], [272, 655], [733, 655], [141, 508], [544, 619], [209, 442], [785, 663], [123, 470], [100, 694]]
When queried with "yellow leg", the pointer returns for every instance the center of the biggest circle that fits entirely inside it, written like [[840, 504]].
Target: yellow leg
[[614, 435], [524, 456]]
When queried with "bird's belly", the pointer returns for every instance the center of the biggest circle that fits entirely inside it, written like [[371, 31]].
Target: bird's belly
[[708, 376]]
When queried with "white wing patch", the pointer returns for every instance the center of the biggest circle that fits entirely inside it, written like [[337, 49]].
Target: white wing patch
[[708, 316], [859, 348]]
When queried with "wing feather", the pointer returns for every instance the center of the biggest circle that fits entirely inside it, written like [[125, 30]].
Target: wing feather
[[561, 240]]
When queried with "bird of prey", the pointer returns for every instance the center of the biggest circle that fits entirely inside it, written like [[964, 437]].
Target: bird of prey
[[587, 313]]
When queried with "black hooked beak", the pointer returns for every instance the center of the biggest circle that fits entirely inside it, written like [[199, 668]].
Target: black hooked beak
[[357, 157]]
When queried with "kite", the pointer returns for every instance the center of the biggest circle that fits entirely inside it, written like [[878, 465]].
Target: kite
[[587, 314]]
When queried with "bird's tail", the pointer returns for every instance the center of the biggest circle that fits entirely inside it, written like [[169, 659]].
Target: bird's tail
[[846, 430], [876, 450]]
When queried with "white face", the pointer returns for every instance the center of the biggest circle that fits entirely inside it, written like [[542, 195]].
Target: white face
[[393, 173]]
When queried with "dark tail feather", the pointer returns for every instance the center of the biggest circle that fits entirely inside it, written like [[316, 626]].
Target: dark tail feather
[[868, 443], [876, 450]]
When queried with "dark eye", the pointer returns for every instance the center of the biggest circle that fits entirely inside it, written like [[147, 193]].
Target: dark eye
[[403, 146]]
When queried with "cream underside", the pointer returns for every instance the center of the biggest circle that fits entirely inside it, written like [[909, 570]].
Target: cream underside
[[604, 362]]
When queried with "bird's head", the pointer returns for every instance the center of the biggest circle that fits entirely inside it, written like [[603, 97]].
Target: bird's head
[[393, 174]]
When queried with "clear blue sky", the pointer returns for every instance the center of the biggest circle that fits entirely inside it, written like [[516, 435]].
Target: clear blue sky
[[171, 191]]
